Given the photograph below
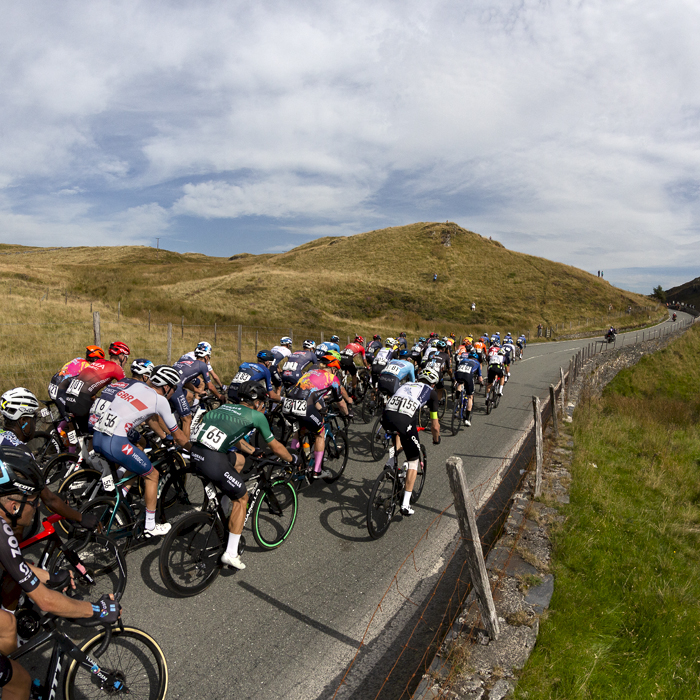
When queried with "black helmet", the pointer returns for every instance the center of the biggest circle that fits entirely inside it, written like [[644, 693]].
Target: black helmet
[[266, 356], [19, 472], [252, 391]]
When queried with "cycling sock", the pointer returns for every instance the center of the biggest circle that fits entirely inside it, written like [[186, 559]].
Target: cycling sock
[[392, 457], [406, 499], [150, 519], [232, 544], [318, 461], [294, 444], [469, 415]]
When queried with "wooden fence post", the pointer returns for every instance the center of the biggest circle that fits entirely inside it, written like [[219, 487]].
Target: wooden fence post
[[66, 295], [119, 310], [90, 307], [538, 446], [170, 342], [240, 340], [464, 506], [562, 391], [321, 331], [149, 320], [182, 327], [215, 334], [553, 403], [256, 344], [96, 327], [569, 380]]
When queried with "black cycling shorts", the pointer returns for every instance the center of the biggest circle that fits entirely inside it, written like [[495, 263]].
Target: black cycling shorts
[[219, 468], [495, 372], [389, 384], [348, 364], [407, 428], [312, 421], [466, 378], [5, 670]]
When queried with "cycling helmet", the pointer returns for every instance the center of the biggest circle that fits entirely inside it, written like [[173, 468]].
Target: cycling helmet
[[403, 354], [376, 337], [452, 335], [165, 375], [286, 341], [119, 348], [331, 359], [18, 402], [473, 355], [252, 391], [266, 356], [201, 353], [495, 344], [335, 339], [422, 339], [359, 339], [308, 345], [19, 472], [429, 375], [468, 339], [203, 346], [441, 345], [94, 352], [390, 342], [402, 334], [142, 366]]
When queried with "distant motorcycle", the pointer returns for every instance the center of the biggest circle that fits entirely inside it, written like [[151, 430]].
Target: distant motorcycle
[[610, 336], [674, 317]]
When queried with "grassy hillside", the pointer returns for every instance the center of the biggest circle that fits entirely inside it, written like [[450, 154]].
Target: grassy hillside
[[688, 293], [375, 280]]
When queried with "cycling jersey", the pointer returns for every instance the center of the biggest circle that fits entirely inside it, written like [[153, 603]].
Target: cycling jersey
[[92, 378], [316, 386], [280, 352], [325, 348], [469, 366], [409, 399], [72, 368], [496, 360], [403, 369], [192, 356], [522, 341], [12, 561], [9, 439], [352, 350], [403, 342], [372, 348], [223, 427], [430, 350], [254, 372], [381, 359], [295, 366], [189, 369]]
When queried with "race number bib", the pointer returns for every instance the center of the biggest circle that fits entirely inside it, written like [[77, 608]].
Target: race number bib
[[53, 391], [74, 387], [291, 366], [241, 377], [348, 353], [297, 407], [393, 369], [108, 423], [211, 437], [404, 405], [380, 361]]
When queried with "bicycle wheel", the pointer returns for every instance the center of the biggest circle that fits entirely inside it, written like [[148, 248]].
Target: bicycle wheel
[[103, 562], [44, 446], [496, 400], [442, 405], [179, 491], [489, 402], [424, 417], [420, 475], [133, 656], [190, 555], [369, 407], [336, 455], [383, 500], [57, 468], [275, 514], [363, 381], [77, 489], [380, 443], [456, 419], [280, 428], [118, 521]]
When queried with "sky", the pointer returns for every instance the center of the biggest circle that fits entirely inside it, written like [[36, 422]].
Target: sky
[[567, 130]]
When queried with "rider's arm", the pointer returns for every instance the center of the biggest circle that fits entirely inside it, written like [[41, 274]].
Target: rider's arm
[[214, 390], [181, 439], [155, 424], [59, 604], [245, 447], [57, 505], [280, 450]]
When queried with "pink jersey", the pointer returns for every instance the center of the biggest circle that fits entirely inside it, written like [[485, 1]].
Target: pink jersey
[[74, 367], [318, 379]]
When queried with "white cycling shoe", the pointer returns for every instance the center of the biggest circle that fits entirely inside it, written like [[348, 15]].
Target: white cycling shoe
[[235, 562], [158, 530], [407, 511]]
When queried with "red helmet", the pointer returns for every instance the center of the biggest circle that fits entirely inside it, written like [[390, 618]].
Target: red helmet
[[359, 339], [119, 348], [94, 352]]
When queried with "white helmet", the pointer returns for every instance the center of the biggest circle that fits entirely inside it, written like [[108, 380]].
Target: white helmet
[[18, 402], [165, 375], [309, 345], [430, 375], [286, 341]]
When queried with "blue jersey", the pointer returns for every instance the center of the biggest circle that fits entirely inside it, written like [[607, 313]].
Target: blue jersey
[[255, 372], [324, 348], [522, 341], [9, 439], [401, 369], [189, 369], [470, 365]]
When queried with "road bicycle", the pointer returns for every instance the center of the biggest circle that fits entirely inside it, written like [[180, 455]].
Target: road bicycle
[[493, 398], [117, 661], [190, 556], [387, 493]]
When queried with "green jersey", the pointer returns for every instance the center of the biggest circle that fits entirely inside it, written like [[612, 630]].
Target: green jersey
[[223, 427]]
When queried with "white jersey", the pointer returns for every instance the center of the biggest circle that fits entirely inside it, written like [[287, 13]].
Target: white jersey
[[126, 404], [430, 351], [383, 357], [496, 360], [191, 356], [281, 350]]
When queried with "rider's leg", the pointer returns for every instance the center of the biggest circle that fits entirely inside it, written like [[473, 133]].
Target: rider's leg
[[319, 448], [19, 686]]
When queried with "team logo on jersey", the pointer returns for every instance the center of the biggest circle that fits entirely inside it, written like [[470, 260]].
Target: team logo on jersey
[[128, 426], [119, 385], [128, 450]]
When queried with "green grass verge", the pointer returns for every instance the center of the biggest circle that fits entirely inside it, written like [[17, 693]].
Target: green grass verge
[[625, 617]]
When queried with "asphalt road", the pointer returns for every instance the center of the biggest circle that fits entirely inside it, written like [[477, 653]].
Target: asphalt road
[[290, 623]]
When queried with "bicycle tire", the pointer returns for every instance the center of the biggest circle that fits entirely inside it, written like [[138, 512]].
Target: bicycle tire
[[273, 523], [189, 559], [496, 400], [335, 456], [279, 428], [489, 402], [131, 652], [369, 407], [456, 422], [76, 489], [180, 492], [100, 555], [380, 444], [420, 475], [121, 527], [44, 446], [363, 382], [54, 471], [442, 405], [381, 507]]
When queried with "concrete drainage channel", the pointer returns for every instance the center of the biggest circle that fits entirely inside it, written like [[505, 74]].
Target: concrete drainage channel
[[469, 666]]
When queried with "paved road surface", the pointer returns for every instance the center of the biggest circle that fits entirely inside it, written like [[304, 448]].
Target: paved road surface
[[288, 626]]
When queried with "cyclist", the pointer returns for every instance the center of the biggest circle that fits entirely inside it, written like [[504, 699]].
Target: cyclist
[[372, 347], [496, 370], [396, 373], [307, 402], [468, 368], [402, 340], [298, 363], [441, 362], [72, 368], [509, 347], [284, 349], [20, 485], [141, 369], [206, 347], [75, 395], [221, 430], [347, 358], [324, 348], [401, 416], [416, 352], [263, 370], [521, 343], [120, 409], [389, 352], [19, 406]]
